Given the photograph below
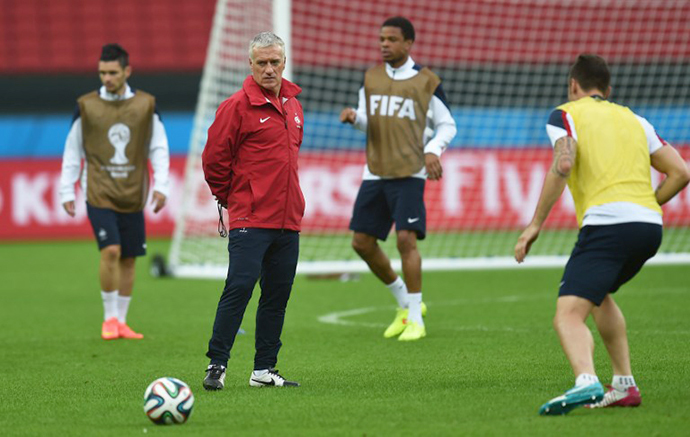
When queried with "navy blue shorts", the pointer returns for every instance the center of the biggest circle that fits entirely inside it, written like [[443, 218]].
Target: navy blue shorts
[[124, 229], [606, 257], [381, 202]]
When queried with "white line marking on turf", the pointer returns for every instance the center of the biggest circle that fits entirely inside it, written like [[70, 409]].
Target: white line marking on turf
[[338, 317]]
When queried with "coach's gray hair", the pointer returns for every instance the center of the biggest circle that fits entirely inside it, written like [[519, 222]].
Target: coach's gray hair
[[265, 39]]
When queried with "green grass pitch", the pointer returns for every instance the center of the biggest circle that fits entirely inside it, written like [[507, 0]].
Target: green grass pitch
[[490, 359]]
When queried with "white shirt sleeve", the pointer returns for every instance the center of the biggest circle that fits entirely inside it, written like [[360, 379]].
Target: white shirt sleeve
[[71, 162], [654, 142], [443, 124], [361, 120], [159, 155]]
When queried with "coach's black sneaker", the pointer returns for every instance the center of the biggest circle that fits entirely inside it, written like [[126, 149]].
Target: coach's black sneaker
[[215, 377], [269, 378]]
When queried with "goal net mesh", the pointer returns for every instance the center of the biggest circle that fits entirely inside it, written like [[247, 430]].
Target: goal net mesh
[[504, 66]]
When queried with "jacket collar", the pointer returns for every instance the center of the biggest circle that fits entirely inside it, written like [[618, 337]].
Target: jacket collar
[[105, 95], [256, 94], [405, 71]]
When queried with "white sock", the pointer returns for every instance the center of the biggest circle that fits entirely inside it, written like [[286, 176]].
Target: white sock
[[261, 372], [415, 304], [585, 379], [399, 290], [123, 307], [623, 382], [109, 304]]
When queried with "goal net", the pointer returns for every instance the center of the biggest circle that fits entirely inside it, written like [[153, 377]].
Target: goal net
[[504, 66]]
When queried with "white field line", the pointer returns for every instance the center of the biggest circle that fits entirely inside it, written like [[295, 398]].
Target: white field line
[[340, 317]]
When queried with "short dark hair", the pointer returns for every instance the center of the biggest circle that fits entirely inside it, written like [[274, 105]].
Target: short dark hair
[[403, 24], [591, 72], [113, 52]]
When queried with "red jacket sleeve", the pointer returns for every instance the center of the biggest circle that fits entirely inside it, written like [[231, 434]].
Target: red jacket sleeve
[[218, 153]]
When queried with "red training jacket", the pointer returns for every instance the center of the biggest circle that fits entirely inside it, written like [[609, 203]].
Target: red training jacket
[[250, 158]]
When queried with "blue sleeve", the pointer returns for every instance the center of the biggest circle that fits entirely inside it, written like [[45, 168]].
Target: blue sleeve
[[441, 95], [557, 118], [76, 114], [156, 111]]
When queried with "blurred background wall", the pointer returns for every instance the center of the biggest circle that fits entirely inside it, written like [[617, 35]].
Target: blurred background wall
[[503, 63]]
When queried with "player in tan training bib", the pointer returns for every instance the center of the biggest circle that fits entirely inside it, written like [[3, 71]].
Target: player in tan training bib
[[116, 131], [400, 106]]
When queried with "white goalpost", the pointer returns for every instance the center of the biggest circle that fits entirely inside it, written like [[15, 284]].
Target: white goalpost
[[504, 66]]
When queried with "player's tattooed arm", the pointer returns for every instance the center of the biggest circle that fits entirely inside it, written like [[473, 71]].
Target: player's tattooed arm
[[564, 153]]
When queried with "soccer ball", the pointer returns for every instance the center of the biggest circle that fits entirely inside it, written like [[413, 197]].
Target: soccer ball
[[168, 401]]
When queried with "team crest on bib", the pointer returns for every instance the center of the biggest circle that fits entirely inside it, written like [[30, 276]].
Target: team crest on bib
[[119, 136]]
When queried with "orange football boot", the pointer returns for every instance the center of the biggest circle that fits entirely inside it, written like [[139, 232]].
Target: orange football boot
[[126, 332], [110, 329]]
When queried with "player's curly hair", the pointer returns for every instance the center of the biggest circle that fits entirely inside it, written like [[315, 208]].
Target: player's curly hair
[[403, 24], [114, 52], [591, 72]]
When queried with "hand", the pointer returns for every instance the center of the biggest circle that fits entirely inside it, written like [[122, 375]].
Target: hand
[[69, 208], [433, 166], [348, 115], [524, 243], [158, 199]]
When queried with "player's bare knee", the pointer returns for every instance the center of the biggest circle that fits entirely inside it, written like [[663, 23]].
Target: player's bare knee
[[407, 242], [363, 246], [111, 253]]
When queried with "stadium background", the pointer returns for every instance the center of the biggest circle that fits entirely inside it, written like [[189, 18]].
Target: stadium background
[[502, 75]]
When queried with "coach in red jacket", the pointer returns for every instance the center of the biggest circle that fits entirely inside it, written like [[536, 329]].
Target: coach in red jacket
[[250, 164]]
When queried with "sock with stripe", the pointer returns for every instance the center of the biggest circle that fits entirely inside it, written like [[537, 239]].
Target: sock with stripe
[[623, 382], [586, 379]]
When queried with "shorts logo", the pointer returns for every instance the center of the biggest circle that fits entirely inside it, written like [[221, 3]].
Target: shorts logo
[[102, 234], [412, 220], [119, 136], [263, 120]]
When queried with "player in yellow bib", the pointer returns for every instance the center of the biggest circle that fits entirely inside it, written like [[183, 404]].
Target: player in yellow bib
[[603, 151]]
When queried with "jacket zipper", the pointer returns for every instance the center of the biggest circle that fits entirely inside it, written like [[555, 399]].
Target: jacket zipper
[[287, 192]]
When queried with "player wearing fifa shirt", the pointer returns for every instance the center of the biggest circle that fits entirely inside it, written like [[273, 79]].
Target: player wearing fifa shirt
[[400, 106], [603, 151], [116, 131]]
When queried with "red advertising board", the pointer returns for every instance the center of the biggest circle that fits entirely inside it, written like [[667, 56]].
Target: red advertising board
[[480, 189]]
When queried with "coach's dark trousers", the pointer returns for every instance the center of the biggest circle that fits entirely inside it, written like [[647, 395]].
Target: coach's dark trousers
[[270, 254]]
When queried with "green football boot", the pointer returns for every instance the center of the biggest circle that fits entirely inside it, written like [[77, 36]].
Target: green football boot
[[400, 322]]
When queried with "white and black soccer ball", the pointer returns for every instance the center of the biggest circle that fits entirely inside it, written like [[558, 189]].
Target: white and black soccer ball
[[168, 401]]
